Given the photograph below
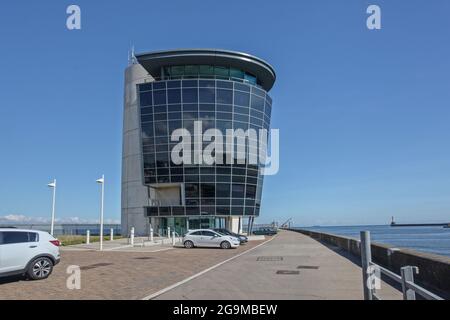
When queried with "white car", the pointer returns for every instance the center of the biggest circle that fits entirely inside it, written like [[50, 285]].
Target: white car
[[209, 238], [29, 252]]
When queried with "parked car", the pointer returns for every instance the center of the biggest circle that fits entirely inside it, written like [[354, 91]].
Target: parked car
[[28, 252], [209, 238], [242, 238], [266, 231]]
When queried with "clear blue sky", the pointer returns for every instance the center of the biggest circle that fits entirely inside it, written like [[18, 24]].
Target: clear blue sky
[[363, 115]]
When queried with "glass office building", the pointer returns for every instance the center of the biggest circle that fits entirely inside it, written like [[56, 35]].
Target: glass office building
[[169, 90]]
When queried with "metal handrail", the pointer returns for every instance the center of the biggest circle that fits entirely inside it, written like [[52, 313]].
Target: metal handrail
[[387, 272], [406, 279], [421, 291]]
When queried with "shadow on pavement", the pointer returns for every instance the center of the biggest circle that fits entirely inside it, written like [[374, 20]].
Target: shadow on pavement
[[12, 279]]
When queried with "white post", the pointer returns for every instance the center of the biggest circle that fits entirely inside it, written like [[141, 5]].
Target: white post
[[111, 232], [366, 259], [173, 238], [102, 182], [132, 236], [151, 234], [88, 237], [52, 223], [168, 232]]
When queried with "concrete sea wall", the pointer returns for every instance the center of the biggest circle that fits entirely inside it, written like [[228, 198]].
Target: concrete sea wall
[[434, 270]]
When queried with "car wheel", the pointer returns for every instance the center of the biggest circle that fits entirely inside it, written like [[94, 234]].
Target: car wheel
[[40, 268], [188, 244], [225, 245]]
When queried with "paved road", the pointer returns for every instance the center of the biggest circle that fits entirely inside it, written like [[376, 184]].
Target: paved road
[[254, 275]]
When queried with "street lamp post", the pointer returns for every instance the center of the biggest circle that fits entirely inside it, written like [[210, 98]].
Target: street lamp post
[[102, 182], [52, 223]]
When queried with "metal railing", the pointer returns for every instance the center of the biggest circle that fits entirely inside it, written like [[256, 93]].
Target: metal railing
[[372, 276]]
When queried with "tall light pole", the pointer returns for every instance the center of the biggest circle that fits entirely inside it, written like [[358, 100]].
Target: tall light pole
[[52, 223], [102, 182]]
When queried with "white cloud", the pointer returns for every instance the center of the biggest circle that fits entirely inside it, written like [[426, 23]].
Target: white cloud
[[22, 219]]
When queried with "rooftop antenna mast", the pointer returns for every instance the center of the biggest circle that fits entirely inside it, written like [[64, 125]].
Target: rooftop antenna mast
[[131, 56]]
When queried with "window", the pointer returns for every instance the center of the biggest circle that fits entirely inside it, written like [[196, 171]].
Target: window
[[206, 70], [196, 233], [224, 96], [159, 85], [191, 70], [241, 98], [208, 233], [161, 117], [222, 72], [206, 83], [145, 87], [146, 98], [191, 190], [160, 109], [208, 190], [149, 161], [147, 118], [225, 84], [174, 125], [223, 190], [33, 237], [223, 210], [11, 237], [174, 95], [236, 73], [177, 70], [207, 95], [190, 96], [241, 87], [159, 96], [178, 211], [161, 128], [238, 191], [251, 192], [147, 130], [257, 103], [173, 84], [250, 78], [162, 160]]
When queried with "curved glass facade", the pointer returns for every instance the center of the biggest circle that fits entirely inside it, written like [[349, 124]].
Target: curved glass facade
[[214, 190], [207, 72]]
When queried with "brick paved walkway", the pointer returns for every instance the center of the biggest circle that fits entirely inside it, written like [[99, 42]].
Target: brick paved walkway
[[125, 275]]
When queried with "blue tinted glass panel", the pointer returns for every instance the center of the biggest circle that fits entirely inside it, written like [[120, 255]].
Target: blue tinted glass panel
[[159, 96], [190, 95], [146, 98], [174, 95], [241, 98]]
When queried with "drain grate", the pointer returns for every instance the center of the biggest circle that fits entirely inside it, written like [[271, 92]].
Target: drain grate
[[97, 265], [274, 258], [308, 267], [288, 272], [144, 258]]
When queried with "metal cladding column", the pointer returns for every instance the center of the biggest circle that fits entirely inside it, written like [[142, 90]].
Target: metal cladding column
[[134, 193]]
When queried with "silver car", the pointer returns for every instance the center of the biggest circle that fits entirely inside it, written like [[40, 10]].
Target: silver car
[[209, 238]]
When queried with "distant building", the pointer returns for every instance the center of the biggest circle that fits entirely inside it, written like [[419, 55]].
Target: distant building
[[168, 90]]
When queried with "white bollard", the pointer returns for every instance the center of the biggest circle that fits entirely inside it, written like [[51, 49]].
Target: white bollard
[[88, 237], [173, 238], [168, 232], [151, 234], [132, 236], [111, 232]]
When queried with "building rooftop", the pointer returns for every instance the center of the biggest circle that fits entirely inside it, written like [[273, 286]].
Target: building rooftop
[[153, 62]]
